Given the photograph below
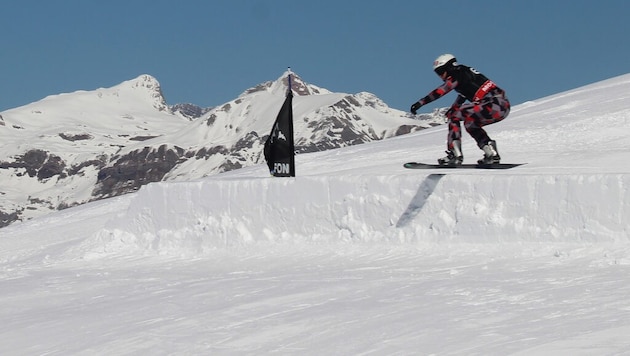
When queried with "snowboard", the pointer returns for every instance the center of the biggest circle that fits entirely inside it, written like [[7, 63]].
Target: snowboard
[[418, 165]]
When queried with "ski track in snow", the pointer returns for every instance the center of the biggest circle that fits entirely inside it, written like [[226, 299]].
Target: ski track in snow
[[355, 256]]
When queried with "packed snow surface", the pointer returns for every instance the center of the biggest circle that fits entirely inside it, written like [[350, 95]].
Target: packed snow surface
[[355, 256]]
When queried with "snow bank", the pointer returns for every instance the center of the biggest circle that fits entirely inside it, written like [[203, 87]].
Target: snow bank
[[196, 217]]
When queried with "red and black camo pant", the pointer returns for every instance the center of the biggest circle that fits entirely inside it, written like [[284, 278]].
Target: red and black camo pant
[[494, 107]]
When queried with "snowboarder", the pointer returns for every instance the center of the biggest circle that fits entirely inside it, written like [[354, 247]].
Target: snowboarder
[[487, 105]]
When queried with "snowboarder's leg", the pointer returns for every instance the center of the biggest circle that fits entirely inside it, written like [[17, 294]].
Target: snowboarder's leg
[[477, 115], [454, 127], [454, 155]]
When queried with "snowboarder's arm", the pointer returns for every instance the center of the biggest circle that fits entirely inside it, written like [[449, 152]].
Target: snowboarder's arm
[[439, 92]]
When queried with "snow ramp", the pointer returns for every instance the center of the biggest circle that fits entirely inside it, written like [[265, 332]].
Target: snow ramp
[[191, 218]]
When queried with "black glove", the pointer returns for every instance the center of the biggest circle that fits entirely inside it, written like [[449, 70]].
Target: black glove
[[415, 107]]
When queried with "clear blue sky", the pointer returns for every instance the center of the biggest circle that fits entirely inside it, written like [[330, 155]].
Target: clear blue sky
[[207, 52]]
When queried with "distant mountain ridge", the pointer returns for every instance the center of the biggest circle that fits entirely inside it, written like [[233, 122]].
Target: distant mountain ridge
[[73, 148]]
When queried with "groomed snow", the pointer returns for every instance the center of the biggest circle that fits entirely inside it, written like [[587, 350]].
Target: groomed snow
[[354, 256]]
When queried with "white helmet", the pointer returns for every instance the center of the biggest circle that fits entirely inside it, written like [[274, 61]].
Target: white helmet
[[442, 61]]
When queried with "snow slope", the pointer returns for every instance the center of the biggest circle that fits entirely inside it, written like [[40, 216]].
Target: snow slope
[[354, 256]]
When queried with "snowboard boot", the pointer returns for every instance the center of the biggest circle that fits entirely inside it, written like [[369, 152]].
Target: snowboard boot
[[490, 154], [454, 156]]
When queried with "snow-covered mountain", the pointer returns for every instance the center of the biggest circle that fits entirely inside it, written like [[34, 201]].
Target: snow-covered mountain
[[356, 255], [73, 148]]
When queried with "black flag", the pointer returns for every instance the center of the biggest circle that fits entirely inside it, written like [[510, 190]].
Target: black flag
[[279, 148]]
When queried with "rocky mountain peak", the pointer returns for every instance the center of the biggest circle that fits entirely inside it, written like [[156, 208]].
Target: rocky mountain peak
[[280, 85], [149, 85]]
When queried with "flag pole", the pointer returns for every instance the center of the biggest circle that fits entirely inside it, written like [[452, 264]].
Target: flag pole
[[290, 92]]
